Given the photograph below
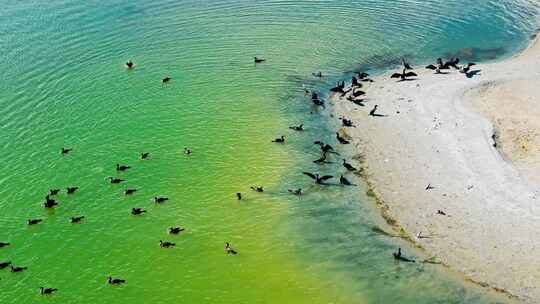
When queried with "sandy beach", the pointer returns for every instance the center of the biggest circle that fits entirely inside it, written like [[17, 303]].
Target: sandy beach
[[476, 142]]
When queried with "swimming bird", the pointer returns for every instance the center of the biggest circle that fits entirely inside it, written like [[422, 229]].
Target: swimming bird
[[113, 180], [71, 190], [49, 202], [345, 182], [65, 150], [321, 160], [163, 244], [166, 79], [33, 221], [18, 269], [405, 64], [188, 151], [257, 188], [76, 219], [238, 195], [296, 192], [318, 179], [398, 256], [122, 167], [279, 140], [4, 244], [129, 191], [145, 155], [318, 74], [403, 76], [47, 291], [342, 140], [348, 166], [137, 211], [5, 264], [54, 191], [316, 100], [297, 128], [175, 230], [160, 199], [229, 249], [130, 64], [112, 281], [325, 148], [258, 60]]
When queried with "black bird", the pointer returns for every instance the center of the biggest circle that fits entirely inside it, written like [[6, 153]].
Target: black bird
[[238, 195], [348, 166], [318, 179], [257, 188], [357, 93], [325, 148], [347, 122], [373, 112], [398, 256], [49, 202], [113, 180], [5, 264], [403, 76], [339, 88], [358, 102], [342, 140], [47, 291], [466, 68], [355, 83], [122, 167], [363, 76], [112, 281], [344, 181], [429, 187], [316, 100], [54, 191], [130, 64], [258, 60], [318, 74], [4, 244], [163, 244], [405, 64], [18, 269], [71, 190], [145, 155], [296, 192], [160, 199], [76, 219], [166, 79], [229, 249], [279, 140], [321, 160], [297, 128], [137, 211], [175, 230], [33, 221], [129, 191], [65, 150]]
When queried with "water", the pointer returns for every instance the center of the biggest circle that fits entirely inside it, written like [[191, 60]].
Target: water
[[64, 84]]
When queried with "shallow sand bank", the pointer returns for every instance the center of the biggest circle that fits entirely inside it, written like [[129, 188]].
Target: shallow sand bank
[[439, 131]]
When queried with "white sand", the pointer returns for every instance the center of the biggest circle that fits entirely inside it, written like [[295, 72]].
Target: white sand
[[443, 136]]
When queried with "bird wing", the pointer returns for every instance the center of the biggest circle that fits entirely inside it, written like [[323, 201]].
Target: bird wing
[[410, 74], [326, 177], [470, 64], [310, 175], [431, 67], [396, 75]]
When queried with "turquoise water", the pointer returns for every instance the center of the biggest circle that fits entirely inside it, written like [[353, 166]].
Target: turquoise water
[[64, 84]]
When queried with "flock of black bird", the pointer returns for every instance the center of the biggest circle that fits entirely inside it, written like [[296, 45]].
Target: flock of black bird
[[352, 94]]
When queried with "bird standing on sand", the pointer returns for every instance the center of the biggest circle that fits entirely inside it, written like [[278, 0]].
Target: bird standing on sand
[[403, 75], [342, 140]]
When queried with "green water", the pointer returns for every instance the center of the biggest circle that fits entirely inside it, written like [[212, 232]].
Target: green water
[[63, 84]]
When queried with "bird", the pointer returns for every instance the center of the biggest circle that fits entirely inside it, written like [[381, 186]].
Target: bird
[[257, 188], [373, 112], [54, 191], [318, 179], [137, 211], [47, 291], [440, 212], [160, 199], [321, 160], [325, 148], [238, 195], [279, 140], [398, 256], [429, 187], [296, 192], [188, 151], [342, 140], [318, 74], [113, 180], [49, 202], [344, 181], [466, 68], [175, 230], [112, 281], [297, 128], [316, 100], [65, 150], [18, 269], [403, 76], [347, 122], [122, 167], [76, 219], [129, 191], [166, 79], [357, 93], [144, 155], [5, 264], [4, 244], [33, 221], [229, 249], [71, 190], [163, 244], [130, 64], [339, 88], [348, 166], [258, 60], [355, 83]]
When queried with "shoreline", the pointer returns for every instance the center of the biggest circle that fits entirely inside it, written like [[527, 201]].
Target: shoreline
[[441, 130]]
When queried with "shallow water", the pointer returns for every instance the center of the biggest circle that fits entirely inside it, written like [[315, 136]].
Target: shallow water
[[64, 84]]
